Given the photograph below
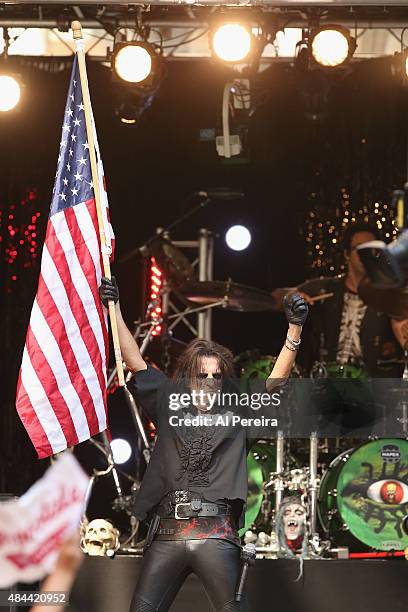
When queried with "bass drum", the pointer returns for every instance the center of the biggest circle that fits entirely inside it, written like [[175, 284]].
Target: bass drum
[[363, 497]]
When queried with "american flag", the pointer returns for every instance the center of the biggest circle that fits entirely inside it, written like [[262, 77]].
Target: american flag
[[61, 391]]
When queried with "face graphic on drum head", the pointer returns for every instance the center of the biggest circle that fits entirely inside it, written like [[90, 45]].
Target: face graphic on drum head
[[372, 493]]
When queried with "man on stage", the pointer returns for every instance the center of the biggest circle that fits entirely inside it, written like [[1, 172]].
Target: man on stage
[[195, 486]]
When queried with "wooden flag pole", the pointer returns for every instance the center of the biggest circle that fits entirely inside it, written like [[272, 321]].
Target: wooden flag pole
[[79, 44]]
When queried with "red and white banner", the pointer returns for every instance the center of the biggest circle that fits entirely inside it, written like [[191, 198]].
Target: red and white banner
[[33, 528]]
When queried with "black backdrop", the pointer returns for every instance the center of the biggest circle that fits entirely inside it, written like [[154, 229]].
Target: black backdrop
[[308, 137]]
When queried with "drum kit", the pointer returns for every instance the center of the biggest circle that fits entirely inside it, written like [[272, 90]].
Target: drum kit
[[356, 503], [354, 492]]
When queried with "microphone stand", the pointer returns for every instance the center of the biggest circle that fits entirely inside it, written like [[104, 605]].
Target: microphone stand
[[171, 226]]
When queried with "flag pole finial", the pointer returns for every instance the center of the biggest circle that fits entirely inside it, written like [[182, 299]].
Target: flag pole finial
[[76, 30]]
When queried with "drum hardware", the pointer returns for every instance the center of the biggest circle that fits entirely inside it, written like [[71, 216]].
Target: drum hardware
[[342, 552], [205, 199], [266, 509], [402, 395], [404, 418], [297, 479], [131, 545], [317, 547], [175, 265], [232, 296], [333, 369], [121, 502], [405, 372], [313, 483], [279, 483], [318, 371]]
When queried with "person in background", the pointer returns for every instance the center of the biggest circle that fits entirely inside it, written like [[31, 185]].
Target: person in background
[[344, 330]]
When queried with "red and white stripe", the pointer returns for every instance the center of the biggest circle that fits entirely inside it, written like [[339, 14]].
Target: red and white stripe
[[61, 393]]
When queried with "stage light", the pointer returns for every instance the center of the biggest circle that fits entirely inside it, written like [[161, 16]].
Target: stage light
[[155, 309], [130, 105], [331, 46], [137, 68], [238, 237], [133, 63], [121, 450], [231, 42], [137, 64], [10, 92]]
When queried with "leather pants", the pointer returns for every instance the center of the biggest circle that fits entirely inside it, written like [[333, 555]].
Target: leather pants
[[166, 565]]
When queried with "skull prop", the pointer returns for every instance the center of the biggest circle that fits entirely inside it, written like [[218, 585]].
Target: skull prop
[[100, 538], [294, 517], [292, 530]]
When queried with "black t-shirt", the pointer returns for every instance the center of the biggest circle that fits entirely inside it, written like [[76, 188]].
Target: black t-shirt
[[208, 460]]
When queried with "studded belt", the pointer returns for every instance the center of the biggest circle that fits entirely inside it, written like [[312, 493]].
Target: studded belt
[[180, 507]]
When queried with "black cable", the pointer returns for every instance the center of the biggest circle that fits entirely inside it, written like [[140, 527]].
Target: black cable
[[179, 35], [185, 42]]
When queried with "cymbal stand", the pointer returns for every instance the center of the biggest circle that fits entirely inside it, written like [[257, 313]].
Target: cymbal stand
[[277, 481], [316, 546], [121, 501], [403, 419], [134, 409], [111, 468], [279, 484], [313, 481]]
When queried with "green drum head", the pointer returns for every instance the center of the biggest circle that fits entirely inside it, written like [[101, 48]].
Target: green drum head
[[372, 493], [260, 463], [260, 369], [255, 491], [338, 370]]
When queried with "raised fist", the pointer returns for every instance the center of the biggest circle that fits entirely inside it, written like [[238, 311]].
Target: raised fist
[[296, 309]]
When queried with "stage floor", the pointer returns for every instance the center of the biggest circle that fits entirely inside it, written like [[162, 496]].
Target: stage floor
[[106, 585]]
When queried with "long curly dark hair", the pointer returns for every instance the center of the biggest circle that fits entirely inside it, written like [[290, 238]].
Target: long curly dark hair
[[188, 364]]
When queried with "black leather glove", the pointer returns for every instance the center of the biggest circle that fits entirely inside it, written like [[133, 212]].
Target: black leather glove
[[108, 290], [296, 309]]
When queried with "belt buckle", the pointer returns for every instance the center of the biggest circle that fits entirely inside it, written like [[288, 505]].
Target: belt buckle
[[176, 514]]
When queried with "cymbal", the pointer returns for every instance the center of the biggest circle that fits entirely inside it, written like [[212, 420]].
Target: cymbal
[[393, 302], [316, 286], [175, 265], [237, 297], [279, 293]]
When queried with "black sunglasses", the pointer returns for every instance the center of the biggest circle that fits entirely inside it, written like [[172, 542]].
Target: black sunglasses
[[204, 375]]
